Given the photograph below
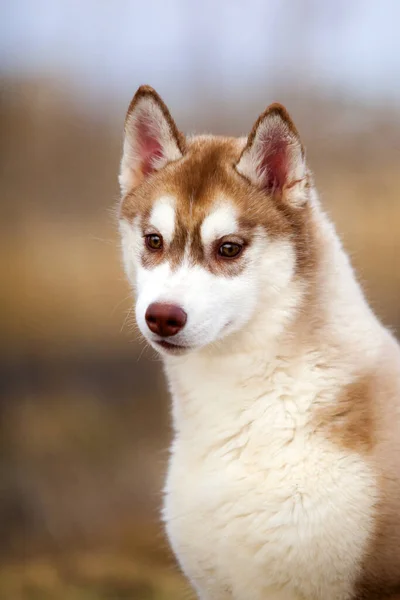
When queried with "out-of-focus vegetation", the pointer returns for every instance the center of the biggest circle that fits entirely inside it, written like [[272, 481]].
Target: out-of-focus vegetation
[[94, 575]]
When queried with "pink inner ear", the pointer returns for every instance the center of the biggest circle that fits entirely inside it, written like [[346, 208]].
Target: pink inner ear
[[150, 148], [273, 166]]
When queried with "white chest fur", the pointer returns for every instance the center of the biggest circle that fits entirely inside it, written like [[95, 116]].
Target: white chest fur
[[259, 505]]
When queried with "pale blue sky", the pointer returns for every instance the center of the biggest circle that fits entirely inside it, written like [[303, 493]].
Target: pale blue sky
[[109, 47]]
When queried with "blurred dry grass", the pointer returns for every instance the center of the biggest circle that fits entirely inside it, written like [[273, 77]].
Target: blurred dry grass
[[84, 423], [90, 576], [93, 575]]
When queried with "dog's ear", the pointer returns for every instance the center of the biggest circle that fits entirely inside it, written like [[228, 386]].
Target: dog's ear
[[273, 158], [151, 138]]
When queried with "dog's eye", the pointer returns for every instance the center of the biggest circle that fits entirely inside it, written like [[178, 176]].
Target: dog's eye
[[229, 250], [154, 241]]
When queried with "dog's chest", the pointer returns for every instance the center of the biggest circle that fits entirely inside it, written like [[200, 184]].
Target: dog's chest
[[255, 499]]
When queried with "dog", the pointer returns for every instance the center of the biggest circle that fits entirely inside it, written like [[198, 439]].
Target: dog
[[284, 472]]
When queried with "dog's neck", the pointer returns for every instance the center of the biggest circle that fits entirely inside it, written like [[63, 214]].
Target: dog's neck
[[326, 323]]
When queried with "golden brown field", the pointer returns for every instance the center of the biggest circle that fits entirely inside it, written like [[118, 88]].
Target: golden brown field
[[91, 576]]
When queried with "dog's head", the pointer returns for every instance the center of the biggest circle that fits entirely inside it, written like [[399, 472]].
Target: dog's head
[[214, 230]]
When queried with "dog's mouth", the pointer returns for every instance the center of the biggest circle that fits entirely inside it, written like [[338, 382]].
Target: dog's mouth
[[172, 348]]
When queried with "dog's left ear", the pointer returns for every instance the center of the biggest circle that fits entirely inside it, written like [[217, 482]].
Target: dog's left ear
[[152, 139], [273, 158]]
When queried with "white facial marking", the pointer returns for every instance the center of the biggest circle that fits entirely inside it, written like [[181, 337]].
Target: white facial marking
[[221, 221], [131, 243], [162, 217]]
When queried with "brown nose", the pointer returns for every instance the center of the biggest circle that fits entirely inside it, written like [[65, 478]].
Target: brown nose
[[165, 319]]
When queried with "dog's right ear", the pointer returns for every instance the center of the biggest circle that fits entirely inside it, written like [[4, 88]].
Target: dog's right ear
[[274, 160], [151, 138]]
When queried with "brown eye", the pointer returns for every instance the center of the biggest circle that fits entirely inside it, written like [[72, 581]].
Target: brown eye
[[154, 241], [229, 250]]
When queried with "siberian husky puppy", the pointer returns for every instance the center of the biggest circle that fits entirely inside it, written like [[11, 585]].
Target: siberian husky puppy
[[284, 475]]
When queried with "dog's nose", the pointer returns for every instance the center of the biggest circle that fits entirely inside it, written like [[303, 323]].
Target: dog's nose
[[165, 319]]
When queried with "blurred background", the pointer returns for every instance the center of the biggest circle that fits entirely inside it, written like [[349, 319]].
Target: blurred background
[[84, 413]]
